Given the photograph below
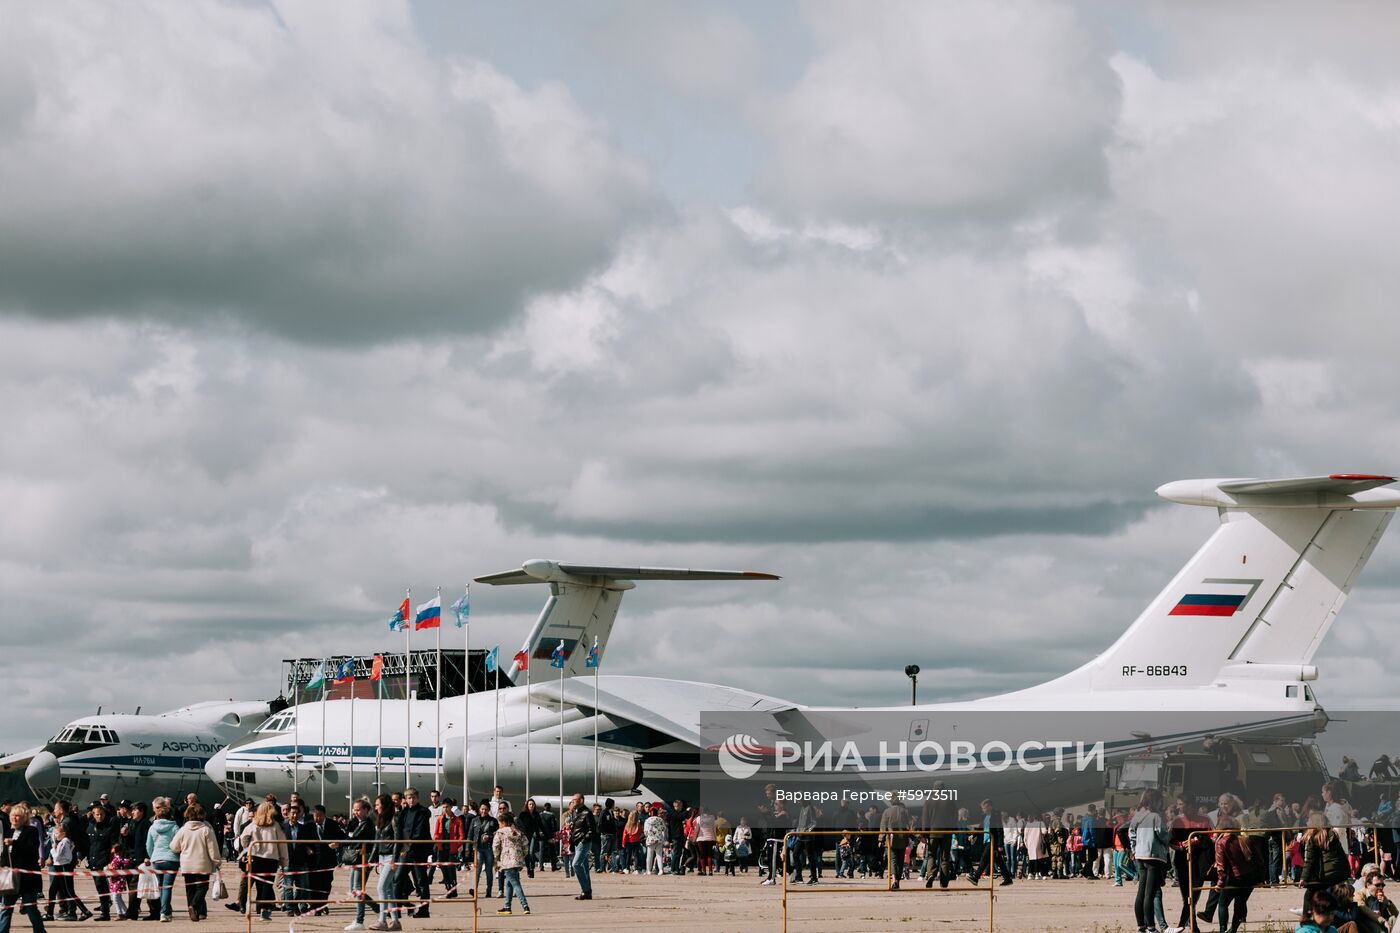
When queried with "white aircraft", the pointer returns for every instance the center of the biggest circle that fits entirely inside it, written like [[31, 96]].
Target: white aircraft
[[1225, 649], [136, 756], [333, 748]]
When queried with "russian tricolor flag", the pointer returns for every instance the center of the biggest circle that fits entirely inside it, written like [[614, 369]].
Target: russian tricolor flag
[[1207, 604], [428, 615]]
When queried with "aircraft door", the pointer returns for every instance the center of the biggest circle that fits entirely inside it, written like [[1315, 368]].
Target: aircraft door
[[191, 776]]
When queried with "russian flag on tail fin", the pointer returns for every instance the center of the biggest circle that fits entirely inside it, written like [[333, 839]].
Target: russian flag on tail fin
[[1207, 604], [1216, 597]]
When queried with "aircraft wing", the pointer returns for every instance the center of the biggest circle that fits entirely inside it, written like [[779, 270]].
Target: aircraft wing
[[669, 707], [18, 761]]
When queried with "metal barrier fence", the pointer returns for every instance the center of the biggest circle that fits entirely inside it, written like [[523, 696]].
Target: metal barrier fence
[[887, 843], [1192, 889], [365, 864]]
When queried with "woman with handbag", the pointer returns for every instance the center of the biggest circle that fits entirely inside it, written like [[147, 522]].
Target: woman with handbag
[[264, 845], [20, 879], [165, 862]]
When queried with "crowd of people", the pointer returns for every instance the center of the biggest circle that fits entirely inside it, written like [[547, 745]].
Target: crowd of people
[[288, 853], [395, 848], [1341, 858]]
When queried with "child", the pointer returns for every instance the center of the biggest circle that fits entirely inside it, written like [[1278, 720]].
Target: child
[[565, 852], [1321, 909], [727, 855], [61, 859], [117, 879], [847, 855], [508, 845]]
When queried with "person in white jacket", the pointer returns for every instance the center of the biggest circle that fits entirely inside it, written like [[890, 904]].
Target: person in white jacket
[[199, 858]]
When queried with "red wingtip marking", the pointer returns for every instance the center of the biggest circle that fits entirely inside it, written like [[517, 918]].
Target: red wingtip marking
[[1361, 476]]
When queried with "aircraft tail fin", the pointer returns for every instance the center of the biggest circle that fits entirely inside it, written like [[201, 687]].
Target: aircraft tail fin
[[1259, 596], [583, 604]]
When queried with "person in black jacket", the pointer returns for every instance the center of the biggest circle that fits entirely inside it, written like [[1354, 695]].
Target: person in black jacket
[[415, 822], [583, 834], [101, 836], [137, 828], [324, 858], [481, 830], [529, 823], [358, 851], [549, 829], [609, 834], [21, 849], [301, 858], [994, 847]]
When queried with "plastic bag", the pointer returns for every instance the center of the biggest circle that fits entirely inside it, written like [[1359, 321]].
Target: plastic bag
[[148, 884]]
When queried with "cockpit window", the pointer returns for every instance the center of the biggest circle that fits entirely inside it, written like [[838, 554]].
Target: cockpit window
[[282, 722], [74, 739]]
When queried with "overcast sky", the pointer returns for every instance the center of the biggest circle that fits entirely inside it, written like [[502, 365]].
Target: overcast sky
[[915, 305]]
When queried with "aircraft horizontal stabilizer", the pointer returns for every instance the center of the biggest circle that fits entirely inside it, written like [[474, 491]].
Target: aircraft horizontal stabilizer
[[1342, 483], [583, 601], [548, 571], [1337, 491]]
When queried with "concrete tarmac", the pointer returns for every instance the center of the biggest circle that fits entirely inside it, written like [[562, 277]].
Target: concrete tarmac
[[691, 904]]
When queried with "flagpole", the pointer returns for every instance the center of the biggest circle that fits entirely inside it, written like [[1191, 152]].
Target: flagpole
[[528, 740], [407, 687], [437, 702], [561, 732], [379, 748], [496, 733], [296, 735], [466, 696], [597, 717], [350, 790], [323, 733]]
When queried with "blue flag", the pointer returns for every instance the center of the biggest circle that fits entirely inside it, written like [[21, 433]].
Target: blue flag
[[592, 659], [491, 660], [557, 658], [346, 671], [463, 608]]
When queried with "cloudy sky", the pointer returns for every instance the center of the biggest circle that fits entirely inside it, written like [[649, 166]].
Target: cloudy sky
[[915, 305]]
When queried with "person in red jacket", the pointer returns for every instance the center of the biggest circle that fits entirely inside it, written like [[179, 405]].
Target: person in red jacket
[[1235, 873], [450, 833]]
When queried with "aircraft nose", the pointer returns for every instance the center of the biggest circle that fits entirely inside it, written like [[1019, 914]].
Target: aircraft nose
[[216, 767], [43, 774]]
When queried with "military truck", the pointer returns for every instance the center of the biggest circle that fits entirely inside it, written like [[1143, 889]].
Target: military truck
[[1252, 770]]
